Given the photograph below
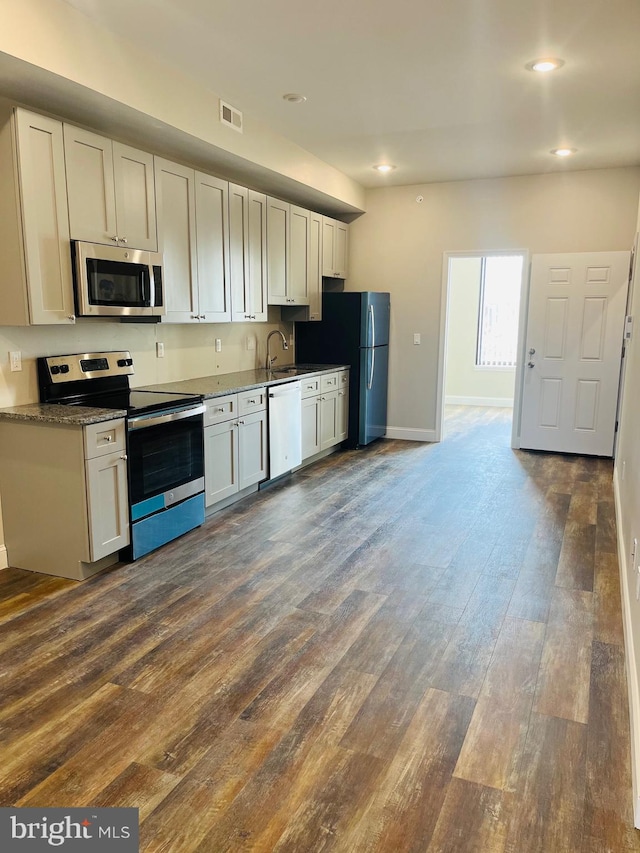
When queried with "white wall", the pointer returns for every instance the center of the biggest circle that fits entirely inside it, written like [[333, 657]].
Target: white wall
[[399, 244], [627, 489], [465, 382]]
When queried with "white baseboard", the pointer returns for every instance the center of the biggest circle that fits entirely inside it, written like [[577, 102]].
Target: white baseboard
[[502, 402], [4, 558], [406, 434], [630, 657]]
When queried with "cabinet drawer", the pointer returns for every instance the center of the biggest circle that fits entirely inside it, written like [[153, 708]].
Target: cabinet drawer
[[103, 438], [310, 387], [221, 409], [252, 401], [329, 382]]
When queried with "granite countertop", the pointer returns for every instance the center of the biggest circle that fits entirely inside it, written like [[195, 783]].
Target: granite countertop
[[56, 413], [245, 380], [208, 386]]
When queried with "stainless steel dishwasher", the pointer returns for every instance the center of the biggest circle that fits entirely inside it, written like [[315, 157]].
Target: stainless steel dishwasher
[[285, 428]]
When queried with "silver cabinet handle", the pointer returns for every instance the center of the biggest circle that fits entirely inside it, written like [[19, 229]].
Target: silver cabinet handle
[[108, 438], [71, 318], [532, 351], [530, 364], [122, 239], [114, 237], [124, 457]]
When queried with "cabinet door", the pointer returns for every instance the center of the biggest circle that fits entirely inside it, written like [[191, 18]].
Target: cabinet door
[[340, 250], [239, 252], [135, 198], [108, 507], [310, 426], [212, 247], [45, 218], [220, 462], [175, 189], [315, 267], [328, 420], [90, 184], [278, 251], [328, 239], [342, 414], [299, 255], [257, 257], [252, 449]]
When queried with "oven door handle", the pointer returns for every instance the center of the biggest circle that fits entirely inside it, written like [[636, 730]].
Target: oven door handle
[[142, 422]]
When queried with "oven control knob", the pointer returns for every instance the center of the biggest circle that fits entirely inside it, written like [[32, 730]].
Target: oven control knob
[[129, 362], [122, 362], [64, 368], [54, 369]]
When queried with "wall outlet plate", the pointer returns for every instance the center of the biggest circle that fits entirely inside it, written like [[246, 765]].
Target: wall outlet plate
[[15, 360], [159, 350]]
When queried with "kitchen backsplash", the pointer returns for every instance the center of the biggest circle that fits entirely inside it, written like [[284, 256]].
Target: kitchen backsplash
[[189, 350]]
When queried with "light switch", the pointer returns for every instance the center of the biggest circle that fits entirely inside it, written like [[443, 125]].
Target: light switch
[[416, 338]]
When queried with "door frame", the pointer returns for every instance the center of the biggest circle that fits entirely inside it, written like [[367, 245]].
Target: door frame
[[522, 331]]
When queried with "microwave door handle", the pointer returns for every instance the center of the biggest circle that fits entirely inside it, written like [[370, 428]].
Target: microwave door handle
[[152, 287]]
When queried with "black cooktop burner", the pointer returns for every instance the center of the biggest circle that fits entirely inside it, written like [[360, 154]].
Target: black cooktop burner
[[135, 402], [101, 380]]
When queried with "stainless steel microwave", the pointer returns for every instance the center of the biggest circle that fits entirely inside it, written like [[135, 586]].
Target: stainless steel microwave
[[111, 281]]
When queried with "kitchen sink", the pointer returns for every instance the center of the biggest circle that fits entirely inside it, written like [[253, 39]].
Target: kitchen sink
[[292, 370]]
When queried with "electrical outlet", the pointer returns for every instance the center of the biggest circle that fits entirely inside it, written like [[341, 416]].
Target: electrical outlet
[[251, 343], [159, 350], [15, 359], [416, 339], [218, 345]]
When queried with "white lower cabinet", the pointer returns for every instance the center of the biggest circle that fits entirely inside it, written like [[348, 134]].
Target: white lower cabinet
[[64, 496], [235, 444], [325, 412]]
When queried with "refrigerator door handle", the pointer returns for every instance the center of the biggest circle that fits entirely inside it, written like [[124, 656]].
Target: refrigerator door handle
[[373, 325], [373, 362]]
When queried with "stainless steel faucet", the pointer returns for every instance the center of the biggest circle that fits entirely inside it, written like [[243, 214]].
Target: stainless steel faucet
[[285, 346]]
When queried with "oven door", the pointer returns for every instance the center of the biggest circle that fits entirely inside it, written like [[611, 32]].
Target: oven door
[[166, 459]]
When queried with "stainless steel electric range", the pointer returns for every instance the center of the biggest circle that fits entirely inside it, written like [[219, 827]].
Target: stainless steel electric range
[[165, 445]]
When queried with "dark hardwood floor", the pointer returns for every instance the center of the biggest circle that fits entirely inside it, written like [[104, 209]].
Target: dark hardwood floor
[[405, 648]]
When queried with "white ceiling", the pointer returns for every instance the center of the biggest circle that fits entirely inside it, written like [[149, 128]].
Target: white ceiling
[[437, 87]]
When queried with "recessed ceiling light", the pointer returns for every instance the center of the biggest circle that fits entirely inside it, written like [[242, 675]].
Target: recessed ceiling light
[[384, 167], [563, 152], [294, 98], [544, 65]]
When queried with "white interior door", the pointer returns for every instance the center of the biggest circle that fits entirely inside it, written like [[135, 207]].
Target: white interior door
[[573, 351]]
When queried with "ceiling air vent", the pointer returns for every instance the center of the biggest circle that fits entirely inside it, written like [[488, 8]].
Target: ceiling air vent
[[231, 116]]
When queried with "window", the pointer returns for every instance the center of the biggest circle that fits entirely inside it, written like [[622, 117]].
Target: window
[[500, 278]]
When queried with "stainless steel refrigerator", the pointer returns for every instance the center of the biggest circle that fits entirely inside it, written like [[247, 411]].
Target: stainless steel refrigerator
[[354, 330]]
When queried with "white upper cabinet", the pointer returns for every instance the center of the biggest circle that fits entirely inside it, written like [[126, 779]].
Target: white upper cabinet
[[176, 199], [212, 249], [111, 191], [335, 248], [248, 254], [277, 251], [288, 253], [35, 258]]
